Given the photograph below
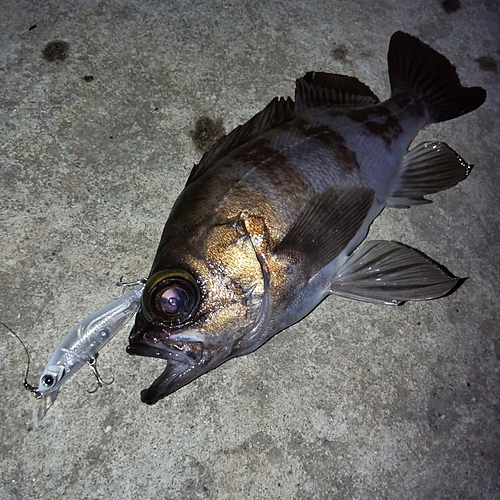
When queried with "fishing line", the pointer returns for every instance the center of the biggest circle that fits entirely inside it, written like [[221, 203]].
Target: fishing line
[[26, 385]]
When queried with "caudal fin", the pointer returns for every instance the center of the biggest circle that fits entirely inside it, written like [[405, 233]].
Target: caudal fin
[[419, 70]]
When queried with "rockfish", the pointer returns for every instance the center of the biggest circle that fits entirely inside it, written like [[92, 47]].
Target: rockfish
[[270, 221]]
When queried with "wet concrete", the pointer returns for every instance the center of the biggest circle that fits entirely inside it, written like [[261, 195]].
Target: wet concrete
[[99, 101]]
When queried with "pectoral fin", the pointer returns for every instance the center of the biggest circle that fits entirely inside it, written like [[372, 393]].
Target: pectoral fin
[[327, 224], [391, 273]]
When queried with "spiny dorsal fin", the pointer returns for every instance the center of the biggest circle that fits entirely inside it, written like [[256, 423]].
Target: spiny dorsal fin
[[277, 111], [327, 224], [318, 90]]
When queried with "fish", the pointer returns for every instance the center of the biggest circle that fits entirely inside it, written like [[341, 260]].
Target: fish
[[82, 345], [273, 218]]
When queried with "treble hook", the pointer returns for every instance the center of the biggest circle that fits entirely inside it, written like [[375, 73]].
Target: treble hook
[[99, 382]]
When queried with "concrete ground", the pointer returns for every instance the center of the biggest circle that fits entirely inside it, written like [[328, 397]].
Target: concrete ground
[[98, 135]]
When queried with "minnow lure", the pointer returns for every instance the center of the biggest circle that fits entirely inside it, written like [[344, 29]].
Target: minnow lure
[[82, 345]]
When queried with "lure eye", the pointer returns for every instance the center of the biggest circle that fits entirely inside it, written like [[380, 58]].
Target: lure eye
[[48, 380], [170, 296]]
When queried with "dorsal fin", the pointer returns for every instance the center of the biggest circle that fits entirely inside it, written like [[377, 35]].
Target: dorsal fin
[[318, 90], [277, 111]]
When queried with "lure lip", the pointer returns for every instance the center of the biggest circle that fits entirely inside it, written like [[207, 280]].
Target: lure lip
[[46, 401]]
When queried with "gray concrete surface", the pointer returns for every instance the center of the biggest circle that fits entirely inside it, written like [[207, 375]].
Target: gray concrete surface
[[355, 402]]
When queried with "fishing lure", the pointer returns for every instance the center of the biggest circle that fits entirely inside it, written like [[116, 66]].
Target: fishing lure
[[82, 344]]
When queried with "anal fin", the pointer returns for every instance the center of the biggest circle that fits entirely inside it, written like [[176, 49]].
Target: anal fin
[[428, 168], [327, 224], [391, 273]]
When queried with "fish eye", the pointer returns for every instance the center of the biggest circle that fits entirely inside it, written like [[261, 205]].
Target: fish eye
[[48, 380], [170, 296]]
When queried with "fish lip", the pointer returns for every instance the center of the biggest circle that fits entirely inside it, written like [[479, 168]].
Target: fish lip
[[182, 367], [174, 376], [154, 346], [143, 350], [184, 364], [181, 370], [187, 353], [155, 341]]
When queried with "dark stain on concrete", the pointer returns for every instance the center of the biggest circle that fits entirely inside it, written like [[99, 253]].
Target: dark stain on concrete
[[56, 50], [339, 53], [487, 63], [206, 132], [451, 5]]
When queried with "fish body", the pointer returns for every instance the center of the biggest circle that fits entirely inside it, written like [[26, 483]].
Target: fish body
[[82, 345], [270, 220]]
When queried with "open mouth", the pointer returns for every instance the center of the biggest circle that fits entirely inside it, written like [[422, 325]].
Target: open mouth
[[185, 360], [183, 365]]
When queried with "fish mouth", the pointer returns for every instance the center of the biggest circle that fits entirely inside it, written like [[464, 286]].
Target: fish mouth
[[186, 360]]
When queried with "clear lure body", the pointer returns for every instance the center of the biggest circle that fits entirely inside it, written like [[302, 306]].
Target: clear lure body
[[82, 344]]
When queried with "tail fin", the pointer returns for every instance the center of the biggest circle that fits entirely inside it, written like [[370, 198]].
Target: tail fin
[[416, 68]]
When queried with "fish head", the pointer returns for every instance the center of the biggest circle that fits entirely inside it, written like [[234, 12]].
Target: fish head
[[209, 305]]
